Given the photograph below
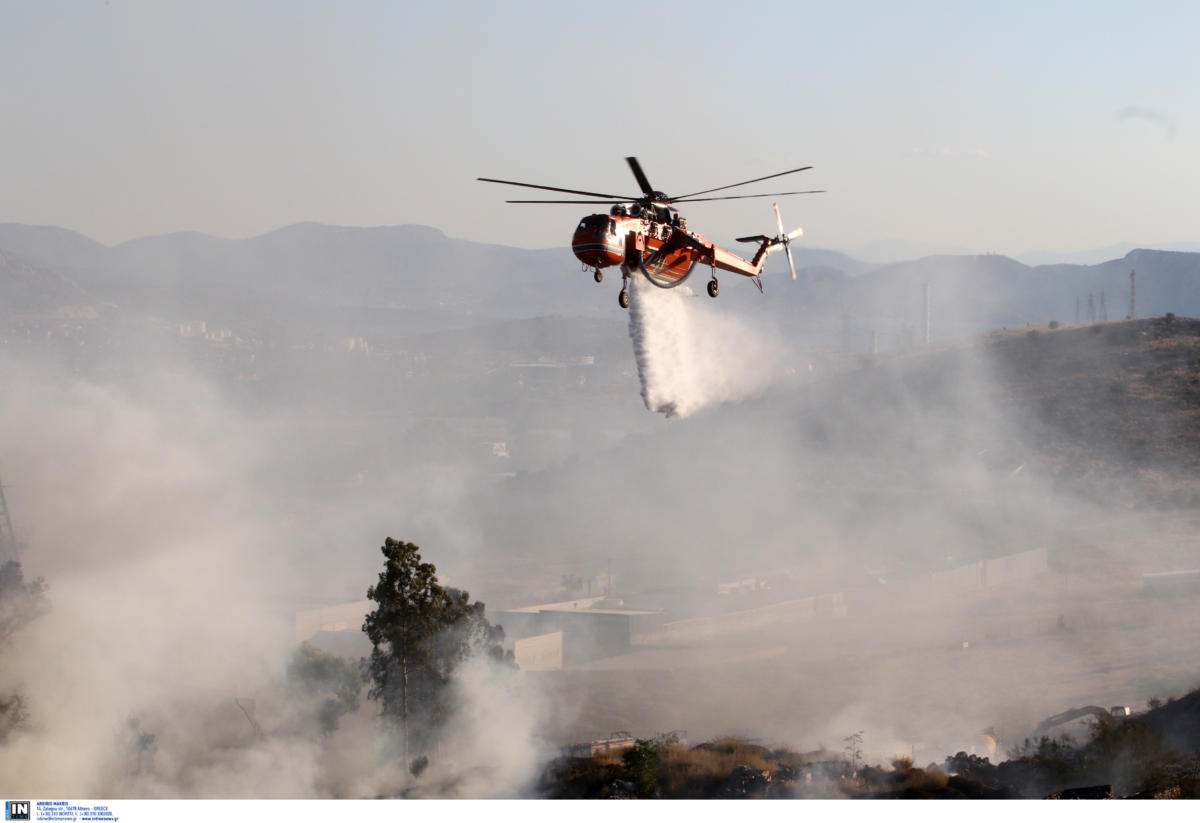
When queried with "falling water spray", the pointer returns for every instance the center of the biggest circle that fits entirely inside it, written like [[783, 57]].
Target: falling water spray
[[691, 353]]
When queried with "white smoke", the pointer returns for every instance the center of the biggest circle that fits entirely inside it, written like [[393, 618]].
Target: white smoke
[[490, 748], [691, 354], [160, 670]]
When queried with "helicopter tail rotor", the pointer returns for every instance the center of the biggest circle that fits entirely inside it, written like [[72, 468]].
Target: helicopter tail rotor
[[786, 239]]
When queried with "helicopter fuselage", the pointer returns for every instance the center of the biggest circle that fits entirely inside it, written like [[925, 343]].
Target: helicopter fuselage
[[665, 252]]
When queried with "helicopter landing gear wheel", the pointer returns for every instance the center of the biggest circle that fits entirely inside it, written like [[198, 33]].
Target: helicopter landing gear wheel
[[623, 298], [598, 276], [713, 288]]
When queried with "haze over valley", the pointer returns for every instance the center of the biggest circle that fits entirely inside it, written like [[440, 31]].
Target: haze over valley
[[833, 526]]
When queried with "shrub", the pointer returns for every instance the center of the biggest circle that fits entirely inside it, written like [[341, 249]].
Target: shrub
[[642, 763]]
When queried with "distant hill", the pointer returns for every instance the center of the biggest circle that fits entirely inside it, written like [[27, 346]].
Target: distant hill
[[969, 295], [27, 288], [809, 258], [416, 279], [49, 245], [1091, 257], [305, 267]]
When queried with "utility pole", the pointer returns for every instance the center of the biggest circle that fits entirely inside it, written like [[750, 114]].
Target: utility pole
[[928, 311], [1091, 309], [8, 539], [1133, 294], [1076, 310], [1103, 309]]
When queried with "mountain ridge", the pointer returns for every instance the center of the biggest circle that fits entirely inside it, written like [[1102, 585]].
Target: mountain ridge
[[308, 269]]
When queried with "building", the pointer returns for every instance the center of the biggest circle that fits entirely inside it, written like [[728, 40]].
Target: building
[[336, 629], [591, 627]]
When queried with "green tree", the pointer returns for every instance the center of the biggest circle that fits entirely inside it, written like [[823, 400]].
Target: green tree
[[465, 630], [329, 683], [420, 632]]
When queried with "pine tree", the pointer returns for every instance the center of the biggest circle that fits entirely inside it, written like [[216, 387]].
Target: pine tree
[[420, 633]]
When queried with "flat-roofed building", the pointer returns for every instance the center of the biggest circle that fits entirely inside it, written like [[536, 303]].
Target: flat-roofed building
[[336, 629], [591, 627], [541, 653]]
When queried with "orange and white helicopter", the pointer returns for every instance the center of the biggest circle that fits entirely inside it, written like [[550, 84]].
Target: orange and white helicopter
[[647, 234]]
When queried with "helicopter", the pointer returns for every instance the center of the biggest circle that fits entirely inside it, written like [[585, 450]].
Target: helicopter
[[647, 234]]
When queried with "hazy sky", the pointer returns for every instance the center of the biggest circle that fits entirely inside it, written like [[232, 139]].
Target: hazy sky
[[992, 127]]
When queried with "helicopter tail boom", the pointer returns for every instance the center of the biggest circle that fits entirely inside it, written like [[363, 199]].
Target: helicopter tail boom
[[767, 245]]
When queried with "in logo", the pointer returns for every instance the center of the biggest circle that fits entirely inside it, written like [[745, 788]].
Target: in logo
[[16, 810]]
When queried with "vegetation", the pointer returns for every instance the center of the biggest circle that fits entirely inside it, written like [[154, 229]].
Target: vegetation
[[420, 633], [854, 748], [666, 767], [330, 684], [1127, 758], [12, 714], [733, 768], [1120, 758], [641, 761], [20, 602]]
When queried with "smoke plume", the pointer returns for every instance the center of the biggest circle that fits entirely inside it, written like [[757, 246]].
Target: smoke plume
[[160, 669]]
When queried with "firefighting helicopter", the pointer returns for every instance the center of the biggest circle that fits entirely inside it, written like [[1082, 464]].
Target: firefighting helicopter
[[647, 234]]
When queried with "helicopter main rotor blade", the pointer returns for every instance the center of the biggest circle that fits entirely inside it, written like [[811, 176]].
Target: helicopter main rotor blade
[[743, 183], [636, 167], [619, 197], [591, 202], [743, 196]]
